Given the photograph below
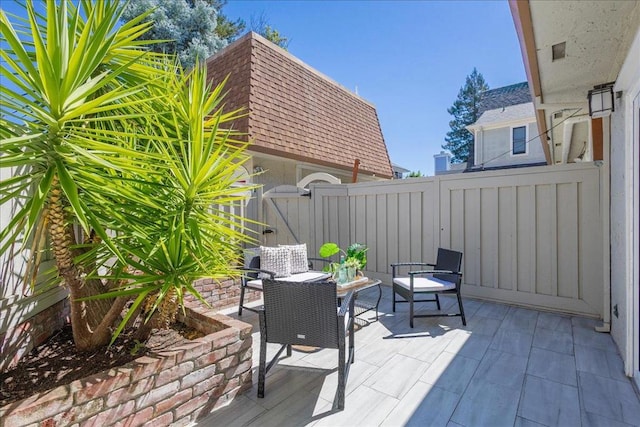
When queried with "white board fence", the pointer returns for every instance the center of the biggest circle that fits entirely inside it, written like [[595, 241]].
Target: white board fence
[[530, 236]]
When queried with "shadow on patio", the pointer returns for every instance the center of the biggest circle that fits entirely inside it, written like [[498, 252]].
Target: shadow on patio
[[509, 366]]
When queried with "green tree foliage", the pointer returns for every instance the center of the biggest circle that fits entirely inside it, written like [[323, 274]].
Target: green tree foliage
[[260, 25], [193, 29], [186, 29], [101, 133], [415, 174], [226, 29], [459, 141]]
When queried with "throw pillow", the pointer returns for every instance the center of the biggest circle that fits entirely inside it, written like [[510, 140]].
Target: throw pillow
[[299, 262], [277, 260]]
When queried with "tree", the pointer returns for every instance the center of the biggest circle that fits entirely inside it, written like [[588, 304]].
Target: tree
[[459, 141], [185, 28], [260, 24], [192, 29], [101, 133], [225, 28], [415, 174]]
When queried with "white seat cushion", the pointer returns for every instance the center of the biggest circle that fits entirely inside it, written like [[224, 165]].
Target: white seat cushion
[[300, 277], [306, 276], [425, 284], [255, 283]]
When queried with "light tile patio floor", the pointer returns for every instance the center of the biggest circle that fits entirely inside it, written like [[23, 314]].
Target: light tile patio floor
[[509, 366]]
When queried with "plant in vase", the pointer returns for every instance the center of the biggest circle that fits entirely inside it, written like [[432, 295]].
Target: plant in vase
[[352, 266], [353, 260]]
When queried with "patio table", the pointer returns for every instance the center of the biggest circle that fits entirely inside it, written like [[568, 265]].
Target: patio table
[[362, 306]]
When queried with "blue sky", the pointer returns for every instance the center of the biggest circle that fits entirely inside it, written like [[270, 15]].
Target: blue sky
[[408, 58]]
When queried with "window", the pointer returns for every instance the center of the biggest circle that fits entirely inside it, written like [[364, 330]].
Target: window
[[519, 140]]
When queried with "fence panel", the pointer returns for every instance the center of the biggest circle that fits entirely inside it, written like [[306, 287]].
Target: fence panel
[[529, 236]]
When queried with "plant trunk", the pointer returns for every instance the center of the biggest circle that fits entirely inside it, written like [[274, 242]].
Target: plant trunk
[[91, 320]]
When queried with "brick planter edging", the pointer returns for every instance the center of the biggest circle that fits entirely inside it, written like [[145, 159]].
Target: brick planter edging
[[171, 388]]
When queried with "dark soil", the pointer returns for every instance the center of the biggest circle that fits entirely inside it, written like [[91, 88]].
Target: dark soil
[[56, 362]]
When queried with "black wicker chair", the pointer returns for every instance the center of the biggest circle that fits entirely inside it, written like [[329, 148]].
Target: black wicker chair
[[444, 278], [250, 277], [307, 314], [249, 280]]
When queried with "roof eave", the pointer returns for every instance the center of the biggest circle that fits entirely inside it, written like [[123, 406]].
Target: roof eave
[[521, 14], [315, 161]]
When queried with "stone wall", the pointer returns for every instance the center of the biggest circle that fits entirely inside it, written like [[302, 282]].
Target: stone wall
[[223, 293], [21, 339], [172, 387]]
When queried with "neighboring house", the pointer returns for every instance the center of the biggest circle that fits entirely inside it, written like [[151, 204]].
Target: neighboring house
[[506, 134], [576, 52], [398, 171], [299, 121], [443, 165]]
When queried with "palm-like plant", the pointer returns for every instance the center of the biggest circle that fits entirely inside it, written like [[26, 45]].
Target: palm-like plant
[[102, 134]]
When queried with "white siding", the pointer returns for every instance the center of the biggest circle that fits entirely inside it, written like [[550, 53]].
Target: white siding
[[497, 149], [18, 301]]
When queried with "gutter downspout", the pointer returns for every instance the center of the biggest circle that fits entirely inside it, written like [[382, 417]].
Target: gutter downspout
[[605, 212], [524, 28]]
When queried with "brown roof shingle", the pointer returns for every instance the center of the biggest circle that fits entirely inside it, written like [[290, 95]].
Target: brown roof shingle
[[296, 112]]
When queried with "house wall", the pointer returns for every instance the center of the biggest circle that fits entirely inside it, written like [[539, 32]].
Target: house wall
[[27, 315], [625, 183], [619, 263], [497, 151], [281, 171], [276, 172]]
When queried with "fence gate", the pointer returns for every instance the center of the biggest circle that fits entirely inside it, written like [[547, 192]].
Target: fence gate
[[286, 215]]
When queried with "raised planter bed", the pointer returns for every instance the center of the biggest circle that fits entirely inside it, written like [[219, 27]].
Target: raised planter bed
[[222, 293], [172, 387]]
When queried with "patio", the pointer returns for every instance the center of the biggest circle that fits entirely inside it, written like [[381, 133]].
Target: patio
[[509, 366]]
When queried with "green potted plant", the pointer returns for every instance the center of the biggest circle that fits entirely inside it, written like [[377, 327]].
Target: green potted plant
[[354, 259]]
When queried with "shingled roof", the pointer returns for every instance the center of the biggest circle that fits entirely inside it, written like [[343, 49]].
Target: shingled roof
[[295, 111], [504, 97]]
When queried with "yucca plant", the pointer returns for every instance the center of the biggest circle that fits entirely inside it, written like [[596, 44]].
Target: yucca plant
[[119, 143]]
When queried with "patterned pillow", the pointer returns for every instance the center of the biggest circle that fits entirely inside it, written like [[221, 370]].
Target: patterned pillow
[[277, 260], [299, 262]]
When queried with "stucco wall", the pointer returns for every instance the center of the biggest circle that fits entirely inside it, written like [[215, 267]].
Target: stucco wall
[[276, 172], [619, 195], [496, 147], [280, 171]]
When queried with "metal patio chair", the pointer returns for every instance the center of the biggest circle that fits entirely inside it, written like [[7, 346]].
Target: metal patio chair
[[444, 277]]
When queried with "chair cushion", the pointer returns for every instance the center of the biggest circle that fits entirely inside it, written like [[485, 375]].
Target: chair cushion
[[277, 260], [425, 284], [300, 277], [299, 262], [308, 276], [255, 283]]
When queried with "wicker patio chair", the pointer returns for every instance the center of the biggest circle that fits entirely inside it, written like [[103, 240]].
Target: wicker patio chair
[[444, 278], [250, 279], [306, 313]]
